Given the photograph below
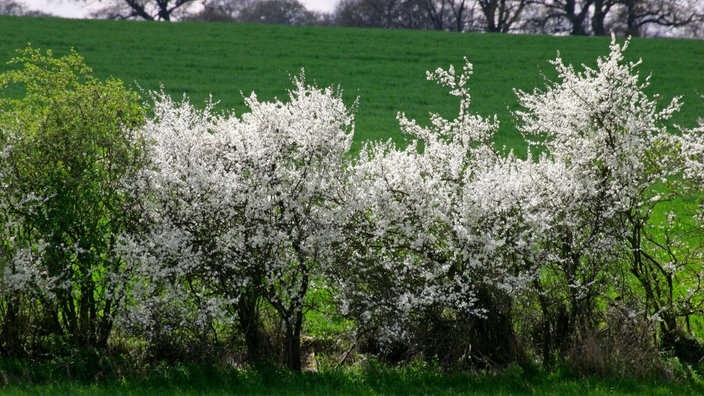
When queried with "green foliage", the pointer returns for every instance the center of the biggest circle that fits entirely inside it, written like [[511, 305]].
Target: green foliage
[[68, 141], [385, 68]]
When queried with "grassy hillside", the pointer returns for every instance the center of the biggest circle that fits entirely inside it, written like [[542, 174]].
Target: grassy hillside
[[385, 68]]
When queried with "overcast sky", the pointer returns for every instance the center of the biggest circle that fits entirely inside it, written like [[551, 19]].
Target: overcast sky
[[77, 9]]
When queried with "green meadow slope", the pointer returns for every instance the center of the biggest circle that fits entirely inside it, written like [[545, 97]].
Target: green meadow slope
[[384, 68]]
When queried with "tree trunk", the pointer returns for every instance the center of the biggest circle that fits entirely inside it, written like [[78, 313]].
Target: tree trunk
[[249, 325], [293, 346], [546, 327], [10, 334], [105, 326], [576, 16], [632, 26], [598, 18], [85, 336], [577, 28], [493, 336]]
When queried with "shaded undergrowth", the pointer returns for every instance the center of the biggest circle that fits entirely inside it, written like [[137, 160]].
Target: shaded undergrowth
[[117, 376]]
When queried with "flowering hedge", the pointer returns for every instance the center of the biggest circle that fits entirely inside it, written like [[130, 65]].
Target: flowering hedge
[[448, 247]]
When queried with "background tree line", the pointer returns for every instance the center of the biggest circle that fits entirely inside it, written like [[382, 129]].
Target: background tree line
[[683, 18]]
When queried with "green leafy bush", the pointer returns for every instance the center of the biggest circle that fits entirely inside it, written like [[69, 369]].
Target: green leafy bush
[[67, 141]]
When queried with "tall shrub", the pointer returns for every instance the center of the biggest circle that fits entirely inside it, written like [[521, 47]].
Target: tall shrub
[[242, 210], [68, 142], [631, 169], [432, 267]]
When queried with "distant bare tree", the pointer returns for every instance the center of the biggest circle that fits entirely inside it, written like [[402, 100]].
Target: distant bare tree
[[693, 30], [13, 8], [563, 16], [452, 15], [599, 14], [286, 12], [635, 16], [220, 10], [500, 15], [150, 10], [626, 17], [390, 14], [449, 15], [208, 14]]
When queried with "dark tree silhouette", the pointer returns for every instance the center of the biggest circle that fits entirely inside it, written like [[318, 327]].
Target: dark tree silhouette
[[150, 10], [501, 15]]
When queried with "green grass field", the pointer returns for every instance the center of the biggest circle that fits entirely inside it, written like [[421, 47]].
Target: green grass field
[[384, 68]]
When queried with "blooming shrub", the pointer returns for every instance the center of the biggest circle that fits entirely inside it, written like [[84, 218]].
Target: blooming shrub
[[626, 165], [240, 209]]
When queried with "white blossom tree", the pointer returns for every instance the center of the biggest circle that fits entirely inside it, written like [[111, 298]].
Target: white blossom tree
[[243, 209], [186, 265], [433, 227], [629, 166]]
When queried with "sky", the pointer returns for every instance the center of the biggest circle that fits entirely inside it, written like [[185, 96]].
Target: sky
[[77, 9]]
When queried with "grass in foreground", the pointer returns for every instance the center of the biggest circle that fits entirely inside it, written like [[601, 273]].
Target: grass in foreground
[[365, 379]]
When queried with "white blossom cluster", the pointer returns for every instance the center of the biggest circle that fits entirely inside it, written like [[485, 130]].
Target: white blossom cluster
[[237, 204], [21, 252], [626, 164]]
